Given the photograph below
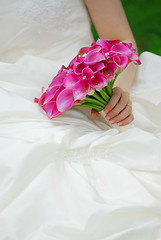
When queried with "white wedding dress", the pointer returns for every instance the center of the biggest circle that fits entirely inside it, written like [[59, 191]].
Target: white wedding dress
[[71, 178]]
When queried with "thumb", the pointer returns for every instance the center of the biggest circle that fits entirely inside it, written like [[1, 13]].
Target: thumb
[[94, 113]]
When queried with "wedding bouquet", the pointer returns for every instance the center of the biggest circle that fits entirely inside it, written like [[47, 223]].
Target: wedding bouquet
[[89, 77]]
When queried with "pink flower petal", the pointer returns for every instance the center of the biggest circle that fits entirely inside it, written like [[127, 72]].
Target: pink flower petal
[[36, 100], [93, 44], [79, 60], [43, 89], [81, 89], [77, 102], [50, 94], [107, 54], [94, 57], [84, 50], [42, 99], [79, 67], [87, 73], [70, 80], [73, 61], [95, 47], [128, 44], [65, 100], [58, 79], [97, 67], [109, 70], [134, 57], [104, 43], [121, 61], [99, 81], [51, 109], [113, 42], [121, 49], [60, 89]]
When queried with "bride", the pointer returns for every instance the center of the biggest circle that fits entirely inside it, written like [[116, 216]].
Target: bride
[[74, 177]]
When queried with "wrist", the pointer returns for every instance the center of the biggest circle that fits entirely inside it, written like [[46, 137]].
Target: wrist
[[126, 78]]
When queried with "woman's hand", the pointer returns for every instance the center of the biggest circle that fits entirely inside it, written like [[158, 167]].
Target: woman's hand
[[117, 110]]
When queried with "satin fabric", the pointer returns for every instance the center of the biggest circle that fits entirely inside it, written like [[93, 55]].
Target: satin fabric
[[73, 178]]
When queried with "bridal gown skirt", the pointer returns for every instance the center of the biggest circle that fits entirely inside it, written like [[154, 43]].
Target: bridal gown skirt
[[73, 178]]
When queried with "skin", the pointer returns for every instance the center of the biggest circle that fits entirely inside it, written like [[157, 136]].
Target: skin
[[111, 23]]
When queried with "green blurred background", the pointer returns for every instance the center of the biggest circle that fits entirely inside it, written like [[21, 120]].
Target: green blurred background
[[144, 17]]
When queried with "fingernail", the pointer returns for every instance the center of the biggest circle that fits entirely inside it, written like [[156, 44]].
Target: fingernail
[[108, 117], [106, 110], [120, 123]]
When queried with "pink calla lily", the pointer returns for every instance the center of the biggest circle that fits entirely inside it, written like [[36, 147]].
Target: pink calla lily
[[70, 80], [58, 80], [95, 47], [79, 60], [72, 62], [121, 49], [109, 70], [129, 45], [50, 94], [97, 67], [60, 89], [42, 99], [134, 57], [113, 42], [103, 43], [75, 61], [98, 82], [87, 73], [65, 100], [94, 57], [81, 89], [121, 61], [51, 109], [79, 68], [84, 50], [108, 55]]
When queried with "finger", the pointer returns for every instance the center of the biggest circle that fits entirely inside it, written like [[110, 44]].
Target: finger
[[94, 113], [122, 115], [119, 107], [116, 95], [126, 121]]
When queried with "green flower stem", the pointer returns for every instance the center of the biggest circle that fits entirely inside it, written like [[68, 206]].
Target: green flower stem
[[94, 101], [116, 75], [105, 96], [104, 89], [98, 97], [108, 89], [91, 105]]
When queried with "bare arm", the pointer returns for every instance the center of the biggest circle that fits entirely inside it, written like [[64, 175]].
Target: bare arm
[[111, 23]]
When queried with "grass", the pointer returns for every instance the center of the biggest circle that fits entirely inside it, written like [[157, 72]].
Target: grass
[[144, 17]]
